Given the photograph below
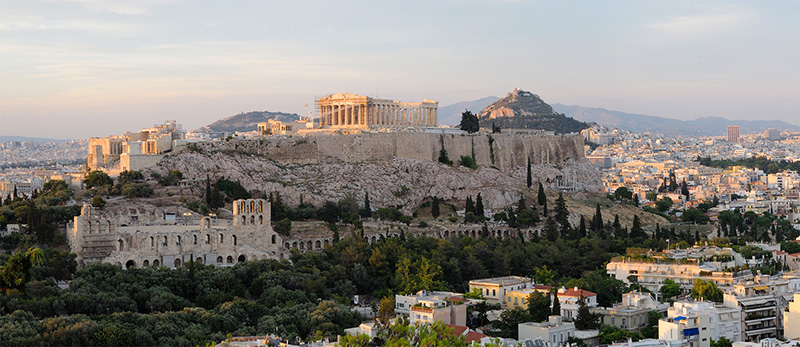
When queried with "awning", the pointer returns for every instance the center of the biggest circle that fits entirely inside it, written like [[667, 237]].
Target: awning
[[691, 331], [761, 288]]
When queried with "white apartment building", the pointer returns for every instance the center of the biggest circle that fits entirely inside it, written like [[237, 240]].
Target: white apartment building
[[652, 273], [723, 321], [495, 289], [428, 307], [554, 330], [791, 319]]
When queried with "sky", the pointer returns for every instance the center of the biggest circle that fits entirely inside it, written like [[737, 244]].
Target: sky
[[75, 69]]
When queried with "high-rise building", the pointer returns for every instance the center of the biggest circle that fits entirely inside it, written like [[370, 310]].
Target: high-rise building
[[772, 134], [733, 133]]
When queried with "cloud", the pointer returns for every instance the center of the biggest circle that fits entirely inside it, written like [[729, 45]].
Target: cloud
[[692, 27]]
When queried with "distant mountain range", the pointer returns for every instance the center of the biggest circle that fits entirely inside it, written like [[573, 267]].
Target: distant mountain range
[[34, 139], [451, 114], [246, 121], [706, 126]]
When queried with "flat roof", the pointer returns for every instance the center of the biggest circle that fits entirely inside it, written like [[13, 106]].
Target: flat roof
[[504, 281]]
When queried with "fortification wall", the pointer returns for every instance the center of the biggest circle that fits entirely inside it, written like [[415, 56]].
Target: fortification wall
[[502, 151]]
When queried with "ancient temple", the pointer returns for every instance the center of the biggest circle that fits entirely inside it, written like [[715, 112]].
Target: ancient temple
[[344, 110]]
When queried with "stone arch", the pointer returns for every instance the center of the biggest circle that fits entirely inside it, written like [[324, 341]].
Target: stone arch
[[121, 245], [207, 222], [229, 260], [252, 220], [194, 239], [99, 230], [219, 260], [244, 220], [260, 206], [287, 245], [130, 264], [302, 245], [145, 263], [208, 239], [156, 262], [273, 239], [234, 240], [241, 258], [372, 239], [177, 262], [179, 240], [252, 206], [221, 238], [446, 234], [326, 243], [260, 219], [152, 241], [474, 234], [294, 244], [318, 245], [199, 260], [309, 245]]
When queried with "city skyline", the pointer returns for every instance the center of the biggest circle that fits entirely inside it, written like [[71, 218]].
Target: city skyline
[[93, 68]]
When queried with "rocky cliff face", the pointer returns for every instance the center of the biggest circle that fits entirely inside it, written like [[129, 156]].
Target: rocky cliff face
[[328, 167]]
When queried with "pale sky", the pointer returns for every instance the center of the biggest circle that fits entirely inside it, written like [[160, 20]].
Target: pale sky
[[74, 69]]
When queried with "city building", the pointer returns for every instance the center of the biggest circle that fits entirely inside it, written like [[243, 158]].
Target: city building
[[651, 273], [791, 319], [633, 313], [733, 133], [133, 151], [692, 331], [554, 330], [344, 110], [430, 306], [772, 134], [495, 289], [570, 298]]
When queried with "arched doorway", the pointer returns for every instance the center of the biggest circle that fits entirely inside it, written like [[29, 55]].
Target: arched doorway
[[177, 262], [130, 264], [242, 258]]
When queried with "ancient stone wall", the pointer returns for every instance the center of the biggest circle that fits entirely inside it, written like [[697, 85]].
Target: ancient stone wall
[[502, 151], [145, 238]]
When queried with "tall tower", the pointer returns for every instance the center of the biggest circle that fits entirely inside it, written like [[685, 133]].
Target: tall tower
[[733, 133]]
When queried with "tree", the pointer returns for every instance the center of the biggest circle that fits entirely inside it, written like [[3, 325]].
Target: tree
[[283, 226], [685, 189], [618, 231], [469, 122], [722, 342], [556, 304], [17, 270], [385, 311], [622, 194], [98, 201], [529, 180], [706, 290], [651, 195], [582, 227], [585, 320], [479, 206], [443, 157], [366, 212], [597, 222], [97, 178], [435, 207], [636, 229], [541, 197], [664, 204], [469, 207], [669, 290], [538, 306]]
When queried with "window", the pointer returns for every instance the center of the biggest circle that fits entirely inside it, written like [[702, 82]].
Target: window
[[494, 292], [221, 238], [194, 239], [515, 301], [234, 240], [208, 238], [612, 320]]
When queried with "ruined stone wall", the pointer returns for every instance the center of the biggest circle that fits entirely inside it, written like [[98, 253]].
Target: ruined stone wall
[[145, 239]]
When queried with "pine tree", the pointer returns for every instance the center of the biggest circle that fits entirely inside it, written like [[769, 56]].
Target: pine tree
[[586, 320], [530, 179], [479, 206], [435, 207]]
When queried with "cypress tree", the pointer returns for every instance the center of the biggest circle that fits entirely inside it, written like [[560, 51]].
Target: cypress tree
[[470, 207], [582, 227], [597, 222], [618, 232], [530, 179], [556, 304], [435, 207], [636, 229], [479, 206], [541, 197]]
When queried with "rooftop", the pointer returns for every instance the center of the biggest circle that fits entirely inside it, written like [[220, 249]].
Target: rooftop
[[503, 281]]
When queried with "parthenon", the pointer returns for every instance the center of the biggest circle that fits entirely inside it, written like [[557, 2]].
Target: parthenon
[[344, 110]]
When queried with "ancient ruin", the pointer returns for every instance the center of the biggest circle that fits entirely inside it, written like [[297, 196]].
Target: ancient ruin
[[344, 110], [164, 238]]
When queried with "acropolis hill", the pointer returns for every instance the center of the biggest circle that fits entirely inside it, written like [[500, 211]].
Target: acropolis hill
[[327, 167]]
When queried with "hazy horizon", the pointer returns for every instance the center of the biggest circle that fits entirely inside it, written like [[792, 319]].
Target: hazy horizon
[[77, 69]]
